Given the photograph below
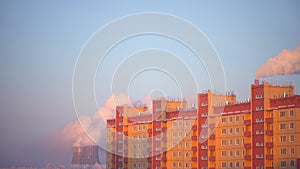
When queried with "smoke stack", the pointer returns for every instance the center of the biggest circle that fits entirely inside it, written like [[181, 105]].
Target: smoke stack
[[256, 81], [85, 155]]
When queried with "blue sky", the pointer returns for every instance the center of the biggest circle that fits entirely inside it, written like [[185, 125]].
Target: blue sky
[[40, 42]]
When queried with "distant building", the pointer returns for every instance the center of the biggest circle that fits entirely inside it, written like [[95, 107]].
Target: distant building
[[85, 155], [260, 133]]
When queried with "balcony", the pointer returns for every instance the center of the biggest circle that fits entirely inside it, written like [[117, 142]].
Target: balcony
[[247, 122], [269, 132], [194, 138], [212, 137], [269, 156], [212, 158], [269, 144], [247, 157], [247, 145], [194, 148], [269, 120], [194, 127], [212, 147], [247, 134], [194, 159]]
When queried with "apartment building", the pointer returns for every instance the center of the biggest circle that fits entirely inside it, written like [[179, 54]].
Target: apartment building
[[262, 132]]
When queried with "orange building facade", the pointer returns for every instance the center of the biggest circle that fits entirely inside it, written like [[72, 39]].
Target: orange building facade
[[260, 133]]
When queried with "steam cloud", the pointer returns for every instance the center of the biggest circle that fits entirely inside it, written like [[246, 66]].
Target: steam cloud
[[286, 62], [95, 125]]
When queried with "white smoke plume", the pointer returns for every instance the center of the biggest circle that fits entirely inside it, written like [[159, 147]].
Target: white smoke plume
[[285, 63]]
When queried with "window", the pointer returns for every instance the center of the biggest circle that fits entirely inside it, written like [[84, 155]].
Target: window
[[259, 119], [174, 154], [292, 150], [223, 153], [187, 124], [223, 142], [223, 131], [179, 133], [158, 129], [230, 119], [204, 115], [223, 164], [237, 119], [283, 151], [230, 142], [292, 163], [260, 167], [259, 156], [174, 165], [187, 145], [179, 154], [282, 139], [204, 104], [144, 127], [282, 126], [282, 114], [204, 136], [174, 134], [180, 123], [283, 164], [259, 144], [158, 109], [204, 125], [237, 153], [291, 125], [179, 164], [292, 138], [230, 153], [186, 165], [174, 124], [237, 130], [259, 132], [259, 108], [157, 148], [157, 158], [230, 165], [237, 164], [291, 113], [237, 141], [230, 131], [223, 120], [204, 157], [204, 147], [186, 155], [259, 96]]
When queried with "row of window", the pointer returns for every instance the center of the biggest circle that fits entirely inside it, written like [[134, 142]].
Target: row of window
[[282, 114], [179, 123], [231, 164], [179, 154], [284, 138], [230, 119], [230, 130], [283, 126], [284, 164], [230, 153], [283, 151], [237, 142]]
